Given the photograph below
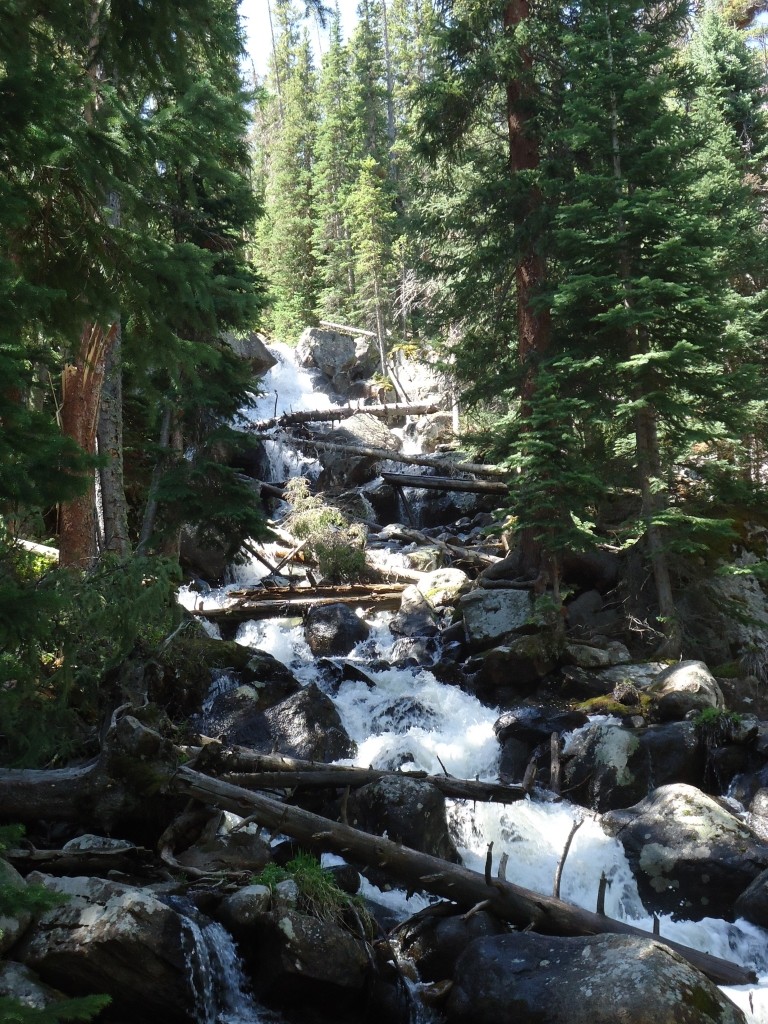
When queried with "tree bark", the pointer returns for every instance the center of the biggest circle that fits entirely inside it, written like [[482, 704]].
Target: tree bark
[[110, 437], [81, 398], [445, 483], [386, 410], [281, 601], [533, 328]]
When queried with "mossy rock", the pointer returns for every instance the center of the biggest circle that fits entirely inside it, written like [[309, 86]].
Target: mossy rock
[[608, 705]]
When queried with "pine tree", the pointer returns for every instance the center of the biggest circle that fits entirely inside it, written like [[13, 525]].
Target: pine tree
[[286, 237]]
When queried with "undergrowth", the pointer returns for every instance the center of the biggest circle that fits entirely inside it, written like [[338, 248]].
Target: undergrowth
[[336, 544]]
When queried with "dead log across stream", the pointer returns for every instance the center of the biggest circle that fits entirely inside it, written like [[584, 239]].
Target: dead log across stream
[[445, 483], [382, 410], [479, 468], [277, 771], [260, 603], [417, 870]]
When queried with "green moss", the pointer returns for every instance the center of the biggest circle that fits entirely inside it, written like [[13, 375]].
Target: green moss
[[608, 705], [728, 670]]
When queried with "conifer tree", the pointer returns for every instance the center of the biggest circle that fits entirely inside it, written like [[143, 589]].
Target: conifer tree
[[286, 236]]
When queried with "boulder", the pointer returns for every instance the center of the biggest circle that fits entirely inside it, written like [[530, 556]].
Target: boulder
[[304, 725], [241, 910], [408, 811], [688, 686], [598, 682], [443, 587], [115, 939], [223, 846], [607, 766], [333, 629], [253, 349], [600, 979], [591, 656], [752, 904], [436, 943], [202, 558], [431, 430], [308, 726], [491, 615], [331, 352], [517, 666], [415, 617], [12, 926], [691, 857], [536, 724], [343, 468], [21, 984]]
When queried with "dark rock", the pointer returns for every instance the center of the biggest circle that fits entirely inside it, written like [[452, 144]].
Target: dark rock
[[535, 724], [219, 848], [423, 650], [19, 983], [343, 468], [515, 755], [334, 629], [583, 609], [752, 904], [597, 569], [308, 726], [692, 858], [491, 615], [608, 766], [600, 979], [410, 811], [253, 350], [516, 666], [402, 714], [436, 943], [202, 558]]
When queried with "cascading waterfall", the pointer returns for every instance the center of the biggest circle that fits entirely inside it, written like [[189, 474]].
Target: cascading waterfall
[[408, 719]]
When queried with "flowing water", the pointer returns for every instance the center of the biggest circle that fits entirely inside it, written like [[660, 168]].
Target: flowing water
[[409, 719]]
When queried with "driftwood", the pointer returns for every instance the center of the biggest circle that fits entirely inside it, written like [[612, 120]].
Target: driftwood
[[382, 410], [478, 468], [418, 871], [445, 483], [258, 603], [252, 770], [413, 536]]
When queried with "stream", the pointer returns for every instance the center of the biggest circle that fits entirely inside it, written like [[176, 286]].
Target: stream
[[409, 720]]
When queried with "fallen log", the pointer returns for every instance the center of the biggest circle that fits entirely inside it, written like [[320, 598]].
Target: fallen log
[[479, 468], [418, 871], [445, 483], [252, 770], [454, 550], [382, 410], [287, 601]]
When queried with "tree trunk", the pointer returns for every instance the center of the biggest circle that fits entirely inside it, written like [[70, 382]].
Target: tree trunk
[[80, 402], [533, 329], [110, 436]]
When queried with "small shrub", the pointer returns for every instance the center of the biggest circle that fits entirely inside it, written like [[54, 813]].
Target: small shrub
[[337, 545]]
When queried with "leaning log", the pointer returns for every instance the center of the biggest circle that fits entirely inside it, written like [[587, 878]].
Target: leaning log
[[479, 468], [251, 770], [382, 410], [418, 871], [286, 601], [445, 483]]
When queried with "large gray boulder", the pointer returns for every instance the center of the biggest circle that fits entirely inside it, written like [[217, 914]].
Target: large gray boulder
[[252, 349], [115, 939], [415, 617], [341, 357], [21, 984], [691, 857], [688, 686], [601, 979], [491, 615], [607, 766], [443, 587], [342, 468]]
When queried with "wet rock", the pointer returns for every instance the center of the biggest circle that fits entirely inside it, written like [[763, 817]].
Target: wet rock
[[436, 943], [431, 430], [253, 349], [585, 683], [219, 848], [596, 980], [691, 857], [409, 811], [752, 905], [491, 615], [12, 926], [205, 559], [115, 939], [402, 714], [334, 629], [331, 352], [344, 469], [516, 666], [415, 617], [417, 650], [536, 724], [688, 686], [607, 766], [425, 558], [308, 726], [241, 910]]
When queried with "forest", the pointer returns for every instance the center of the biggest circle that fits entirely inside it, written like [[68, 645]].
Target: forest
[[563, 208]]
